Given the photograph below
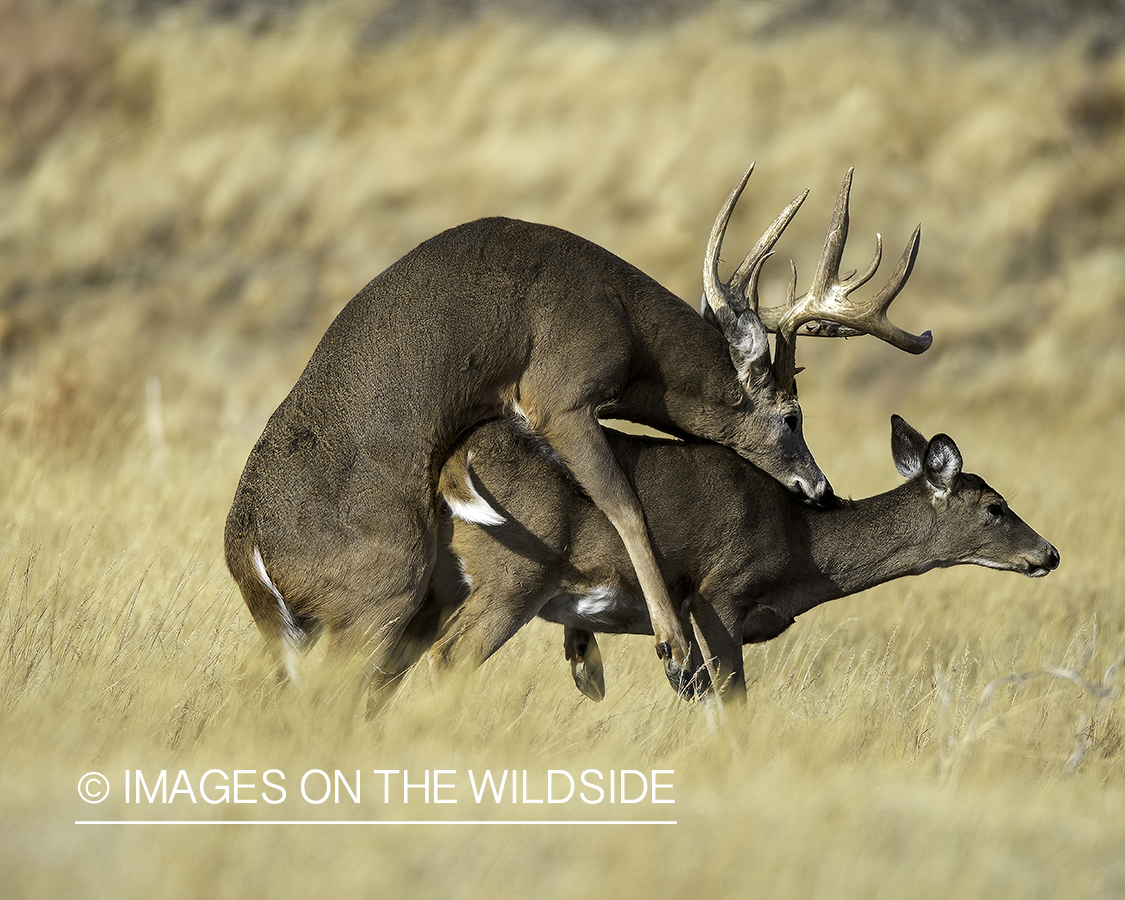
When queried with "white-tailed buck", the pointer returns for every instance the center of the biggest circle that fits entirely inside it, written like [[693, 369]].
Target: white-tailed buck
[[738, 552], [334, 522]]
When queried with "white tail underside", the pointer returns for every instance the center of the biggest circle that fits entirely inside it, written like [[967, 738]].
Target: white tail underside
[[290, 631]]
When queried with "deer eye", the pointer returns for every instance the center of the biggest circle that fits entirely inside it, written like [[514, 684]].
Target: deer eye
[[792, 423], [996, 510]]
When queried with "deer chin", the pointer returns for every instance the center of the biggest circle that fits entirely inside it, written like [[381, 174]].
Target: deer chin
[[1039, 569], [1029, 568]]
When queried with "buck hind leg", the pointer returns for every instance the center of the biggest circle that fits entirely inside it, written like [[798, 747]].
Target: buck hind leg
[[286, 632], [379, 632], [350, 550], [581, 648], [578, 439], [366, 581]]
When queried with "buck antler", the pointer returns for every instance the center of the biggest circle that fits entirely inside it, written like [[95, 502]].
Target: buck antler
[[737, 318], [827, 309]]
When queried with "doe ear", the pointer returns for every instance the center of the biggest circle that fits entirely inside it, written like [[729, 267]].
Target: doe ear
[[908, 448], [943, 463]]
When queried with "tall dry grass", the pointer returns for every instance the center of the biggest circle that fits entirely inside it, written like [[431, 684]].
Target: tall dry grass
[[184, 205]]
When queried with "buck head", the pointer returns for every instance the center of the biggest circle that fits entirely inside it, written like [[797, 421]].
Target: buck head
[[769, 428], [770, 432], [971, 522]]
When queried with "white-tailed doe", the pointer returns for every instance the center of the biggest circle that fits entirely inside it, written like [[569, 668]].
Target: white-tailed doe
[[739, 553]]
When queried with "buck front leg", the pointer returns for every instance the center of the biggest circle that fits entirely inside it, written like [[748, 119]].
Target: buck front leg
[[585, 658], [578, 439]]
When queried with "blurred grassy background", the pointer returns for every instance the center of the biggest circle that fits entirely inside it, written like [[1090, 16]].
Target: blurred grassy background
[[188, 194]]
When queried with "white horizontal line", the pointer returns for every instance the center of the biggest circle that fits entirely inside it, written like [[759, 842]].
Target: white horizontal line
[[375, 822]]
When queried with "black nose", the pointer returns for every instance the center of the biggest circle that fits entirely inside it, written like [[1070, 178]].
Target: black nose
[[1053, 558]]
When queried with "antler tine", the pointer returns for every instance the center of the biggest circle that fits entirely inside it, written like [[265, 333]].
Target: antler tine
[[727, 301], [827, 274], [828, 310], [749, 290], [828, 268], [785, 349], [751, 264], [869, 317], [713, 289]]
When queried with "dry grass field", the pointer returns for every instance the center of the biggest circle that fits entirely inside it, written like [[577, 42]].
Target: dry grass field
[[185, 203]]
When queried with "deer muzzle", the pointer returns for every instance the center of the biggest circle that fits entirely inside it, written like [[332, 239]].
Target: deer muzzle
[[1048, 562]]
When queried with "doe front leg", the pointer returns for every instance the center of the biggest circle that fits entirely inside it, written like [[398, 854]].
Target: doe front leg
[[721, 648]]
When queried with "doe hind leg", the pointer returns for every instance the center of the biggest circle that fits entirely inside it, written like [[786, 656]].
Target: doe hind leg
[[486, 621], [581, 648]]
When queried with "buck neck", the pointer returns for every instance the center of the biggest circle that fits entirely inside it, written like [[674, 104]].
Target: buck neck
[[684, 379]]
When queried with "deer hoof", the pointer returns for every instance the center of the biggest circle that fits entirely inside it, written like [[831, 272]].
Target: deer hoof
[[586, 669], [589, 681], [679, 677], [687, 684]]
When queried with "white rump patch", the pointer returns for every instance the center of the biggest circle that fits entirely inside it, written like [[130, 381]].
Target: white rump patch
[[476, 509], [291, 633]]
